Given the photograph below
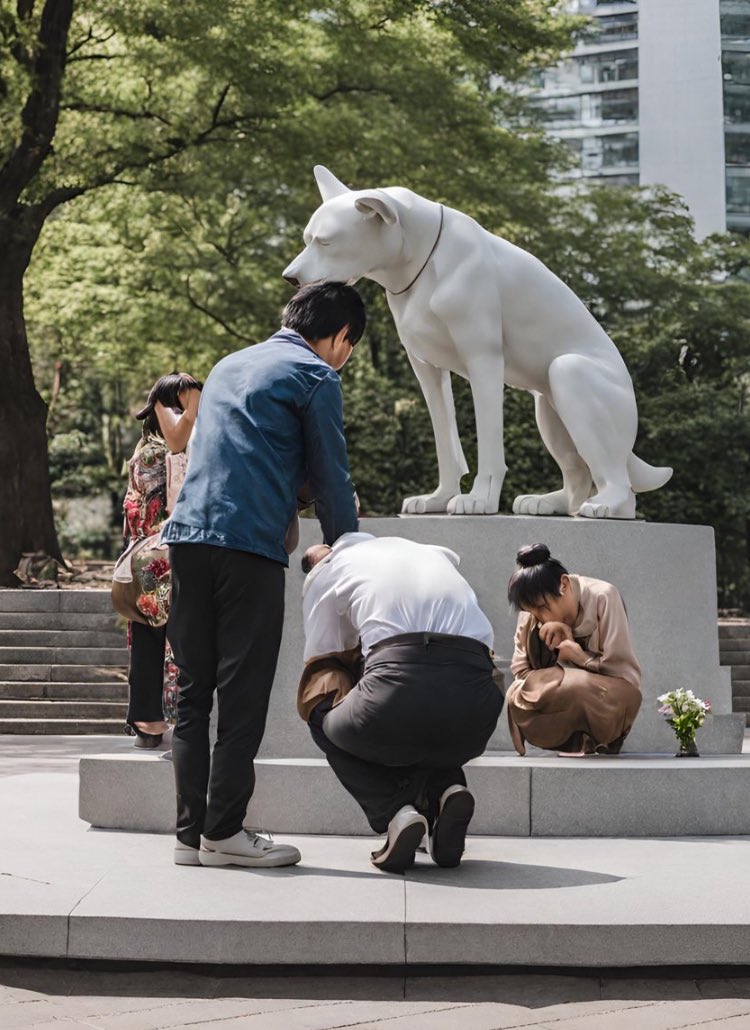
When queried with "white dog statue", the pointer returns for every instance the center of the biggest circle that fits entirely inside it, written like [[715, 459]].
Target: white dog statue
[[468, 302]]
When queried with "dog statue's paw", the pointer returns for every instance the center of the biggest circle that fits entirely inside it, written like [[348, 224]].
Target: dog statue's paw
[[473, 504], [541, 504], [610, 504], [424, 504]]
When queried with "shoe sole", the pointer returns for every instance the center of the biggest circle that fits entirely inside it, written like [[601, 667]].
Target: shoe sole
[[449, 835], [399, 856], [186, 857], [222, 858]]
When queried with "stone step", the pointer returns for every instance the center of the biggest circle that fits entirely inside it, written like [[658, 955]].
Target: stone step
[[625, 796], [728, 644], [61, 709], [740, 686], [734, 630], [64, 691], [63, 656], [79, 621], [741, 702], [514, 902], [56, 601], [55, 673], [740, 672], [60, 726], [735, 658], [61, 638]]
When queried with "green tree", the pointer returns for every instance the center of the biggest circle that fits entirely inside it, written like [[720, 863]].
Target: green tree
[[211, 116]]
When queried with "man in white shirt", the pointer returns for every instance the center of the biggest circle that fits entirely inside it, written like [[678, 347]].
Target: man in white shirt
[[426, 702]]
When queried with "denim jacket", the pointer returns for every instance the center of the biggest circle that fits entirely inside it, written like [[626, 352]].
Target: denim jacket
[[270, 419]]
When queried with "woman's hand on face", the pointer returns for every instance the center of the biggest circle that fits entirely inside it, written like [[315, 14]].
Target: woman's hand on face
[[555, 633], [571, 651], [189, 398]]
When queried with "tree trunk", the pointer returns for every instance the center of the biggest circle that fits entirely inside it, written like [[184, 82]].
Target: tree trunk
[[26, 521]]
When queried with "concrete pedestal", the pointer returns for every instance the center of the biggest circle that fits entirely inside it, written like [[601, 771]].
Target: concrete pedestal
[[666, 575]]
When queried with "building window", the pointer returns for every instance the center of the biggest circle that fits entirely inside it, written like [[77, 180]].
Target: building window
[[601, 153], [590, 69], [738, 194], [735, 22], [736, 104], [736, 67], [613, 28], [613, 107], [737, 148], [560, 112]]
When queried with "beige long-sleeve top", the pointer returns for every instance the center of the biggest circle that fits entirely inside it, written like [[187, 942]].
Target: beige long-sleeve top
[[602, 630]]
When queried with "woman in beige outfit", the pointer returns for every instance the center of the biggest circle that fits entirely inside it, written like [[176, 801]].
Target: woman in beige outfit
[[577, 686]]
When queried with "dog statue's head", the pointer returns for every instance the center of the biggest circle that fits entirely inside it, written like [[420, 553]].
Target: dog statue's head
[[352, 234]]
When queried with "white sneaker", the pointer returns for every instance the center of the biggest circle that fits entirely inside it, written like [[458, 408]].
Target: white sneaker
[[247, 849], [405, 832], [185, 855]]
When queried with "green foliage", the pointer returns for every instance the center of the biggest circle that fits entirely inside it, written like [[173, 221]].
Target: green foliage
[[190, 132]]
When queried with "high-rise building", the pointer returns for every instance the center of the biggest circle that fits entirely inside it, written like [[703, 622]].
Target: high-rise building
[[659, 92]]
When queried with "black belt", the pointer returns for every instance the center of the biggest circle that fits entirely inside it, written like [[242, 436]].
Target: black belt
[[427, 639]]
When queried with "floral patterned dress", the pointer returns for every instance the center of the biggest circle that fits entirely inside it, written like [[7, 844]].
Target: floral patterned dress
[[145, 511]]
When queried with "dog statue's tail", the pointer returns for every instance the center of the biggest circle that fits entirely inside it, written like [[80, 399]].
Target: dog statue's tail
[[644, 477]]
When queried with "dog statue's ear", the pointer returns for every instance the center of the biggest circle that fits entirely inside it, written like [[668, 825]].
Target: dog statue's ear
[[377, 205], [328, 184]]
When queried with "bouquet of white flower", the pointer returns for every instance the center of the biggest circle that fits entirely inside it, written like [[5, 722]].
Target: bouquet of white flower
[[685, 713]]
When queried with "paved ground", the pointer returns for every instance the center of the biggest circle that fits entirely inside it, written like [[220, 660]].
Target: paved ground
[[50, 999], [40, 995]]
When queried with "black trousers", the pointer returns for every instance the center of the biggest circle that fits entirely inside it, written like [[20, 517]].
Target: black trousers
[[225, 623], [146, 672], [418, 714]]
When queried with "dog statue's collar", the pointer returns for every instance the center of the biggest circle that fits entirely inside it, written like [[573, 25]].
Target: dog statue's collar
[[397, 293]]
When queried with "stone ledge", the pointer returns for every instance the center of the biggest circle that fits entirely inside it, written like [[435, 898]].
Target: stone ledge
[[68, 891], [539, 796]]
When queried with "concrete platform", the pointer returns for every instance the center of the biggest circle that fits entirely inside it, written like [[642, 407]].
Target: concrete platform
[[537, 796], [69, 891]]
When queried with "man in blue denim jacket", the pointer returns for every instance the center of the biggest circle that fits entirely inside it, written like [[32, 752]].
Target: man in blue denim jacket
[[270, 420]]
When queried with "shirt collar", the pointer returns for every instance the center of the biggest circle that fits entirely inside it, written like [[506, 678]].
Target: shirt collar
[[586, 620], [292, 336]]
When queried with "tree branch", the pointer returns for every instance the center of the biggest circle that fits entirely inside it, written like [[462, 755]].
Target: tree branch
[[40, 113], [219, 103], [90, 37], [341, 89], [95, 57], [118, 112], [212, 315]]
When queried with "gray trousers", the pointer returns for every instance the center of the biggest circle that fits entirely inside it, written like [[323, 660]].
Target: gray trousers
[[426, 704]]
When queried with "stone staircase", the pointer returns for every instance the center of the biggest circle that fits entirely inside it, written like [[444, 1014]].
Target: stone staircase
[[63, 663], [734, 651]]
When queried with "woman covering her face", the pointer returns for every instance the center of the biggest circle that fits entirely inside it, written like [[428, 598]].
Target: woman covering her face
[[577, 686]]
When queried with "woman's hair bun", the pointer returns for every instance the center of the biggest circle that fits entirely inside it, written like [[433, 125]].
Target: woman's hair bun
[[532, 554]]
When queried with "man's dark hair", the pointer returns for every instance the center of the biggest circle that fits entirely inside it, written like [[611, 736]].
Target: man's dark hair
[[321, 310]]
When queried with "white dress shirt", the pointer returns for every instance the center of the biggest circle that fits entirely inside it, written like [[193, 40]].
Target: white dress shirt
[[371, 588]]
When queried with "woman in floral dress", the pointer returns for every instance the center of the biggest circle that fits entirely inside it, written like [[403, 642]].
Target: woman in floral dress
[[168, 418]]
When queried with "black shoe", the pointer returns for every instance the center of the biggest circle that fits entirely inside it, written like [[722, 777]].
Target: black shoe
[[448, 837], [405, 832], [143, 740]]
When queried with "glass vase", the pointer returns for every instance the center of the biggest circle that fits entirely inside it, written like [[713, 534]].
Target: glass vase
[[688, 749]]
